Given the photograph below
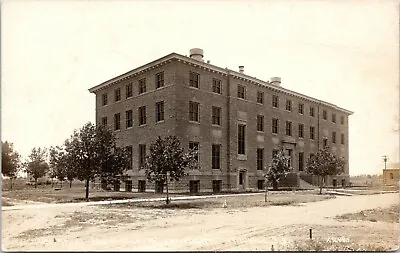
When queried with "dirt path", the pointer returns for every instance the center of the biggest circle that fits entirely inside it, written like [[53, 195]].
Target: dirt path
[[254, 228]]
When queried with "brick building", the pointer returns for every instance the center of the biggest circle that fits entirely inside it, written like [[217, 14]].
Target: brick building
[[236, 121]]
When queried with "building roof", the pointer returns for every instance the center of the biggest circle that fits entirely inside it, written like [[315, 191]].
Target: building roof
[[207, 66]]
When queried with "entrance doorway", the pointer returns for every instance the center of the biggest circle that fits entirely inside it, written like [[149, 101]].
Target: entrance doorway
[[242, 180]]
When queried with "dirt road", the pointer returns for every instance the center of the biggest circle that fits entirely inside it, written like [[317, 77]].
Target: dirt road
[[256, 228]]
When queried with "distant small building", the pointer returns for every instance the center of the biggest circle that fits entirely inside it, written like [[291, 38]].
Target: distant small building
[[391, 174]]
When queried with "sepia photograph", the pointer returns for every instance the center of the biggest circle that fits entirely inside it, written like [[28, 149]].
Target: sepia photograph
[[171, 125]]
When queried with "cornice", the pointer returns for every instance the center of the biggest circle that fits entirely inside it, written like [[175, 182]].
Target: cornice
[[213, 69]]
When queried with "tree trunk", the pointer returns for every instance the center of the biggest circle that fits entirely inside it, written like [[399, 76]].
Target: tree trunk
[[87, 189], [266, 189], [35, 183], [10, 183], [166, 180], [320, 184], [70, 183]]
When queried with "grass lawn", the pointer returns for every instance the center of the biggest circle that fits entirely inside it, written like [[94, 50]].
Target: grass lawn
[[240, 201], [390, 214]]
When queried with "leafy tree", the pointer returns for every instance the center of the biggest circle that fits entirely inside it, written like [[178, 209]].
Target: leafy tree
[[278, 168], [36, 166], [92, 153], [58, 165], [10, 161], [168, 161], [324, 163]]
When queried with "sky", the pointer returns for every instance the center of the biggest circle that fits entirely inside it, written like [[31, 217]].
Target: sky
[[342, 52]]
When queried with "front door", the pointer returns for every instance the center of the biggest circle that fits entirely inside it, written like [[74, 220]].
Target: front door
[[242, 180], [194, 186]]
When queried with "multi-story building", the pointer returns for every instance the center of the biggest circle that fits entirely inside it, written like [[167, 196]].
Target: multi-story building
[[237, 122]]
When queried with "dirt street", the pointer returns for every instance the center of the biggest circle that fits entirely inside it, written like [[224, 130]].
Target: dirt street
[[255, 228]]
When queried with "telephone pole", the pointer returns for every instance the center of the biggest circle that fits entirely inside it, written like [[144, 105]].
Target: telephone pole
[[385, 159]]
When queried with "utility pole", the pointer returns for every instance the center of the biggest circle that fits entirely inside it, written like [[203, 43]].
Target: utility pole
[[385, 159]]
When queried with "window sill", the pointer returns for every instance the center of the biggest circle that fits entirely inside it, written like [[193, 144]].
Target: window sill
[[193, 87], [144, 125], [160, 122], [129, 127], [215, 125], [118, 130], [241, 157], [194, 122], [260, 132]]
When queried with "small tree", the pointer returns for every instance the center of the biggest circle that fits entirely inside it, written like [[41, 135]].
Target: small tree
[[278, 169], [91, 153], [10, 161], [167, 161], [324, 163], [36, 166], [58, 166]]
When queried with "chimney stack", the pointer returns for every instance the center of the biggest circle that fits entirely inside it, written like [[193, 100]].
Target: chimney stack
[[197, 54], [241, 69], [275, 81]]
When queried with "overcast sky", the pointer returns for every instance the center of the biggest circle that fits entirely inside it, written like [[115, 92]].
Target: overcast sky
[[343, 52]]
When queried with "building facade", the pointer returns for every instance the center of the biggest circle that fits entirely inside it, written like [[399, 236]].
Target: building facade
[[236, 121], [391, 174]]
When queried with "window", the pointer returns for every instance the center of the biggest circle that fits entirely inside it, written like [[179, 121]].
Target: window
[[241, 177], [142, 85], [117, 121], [288, 105], [391, 176], [216, 115], [342, 138], [194, 111], [159, 80], [260, 158], [301, 130], [129, 119], [275, 126], [217, 186], [342, 120], [216, 86], [312, 132], [311, 155], [241, 92], [241, 139], [160, 111], [117, 94], [260, 184], [128, 90], [312, 111], [333, 137], [325, 142], [141, 185], [142, 115], [105, 99], [129, 151], [260, 97], [216, 156], [194, 146], [260, 123], [301, 161], [288, 128], [274, 153], [301, 108], [142, 155], [333, 117], [194, 79], [275, 101], [289, 153], [324, 114], [104, 121]]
